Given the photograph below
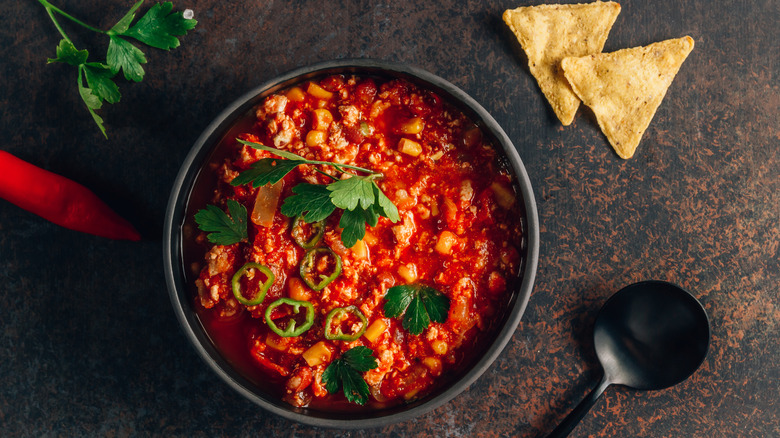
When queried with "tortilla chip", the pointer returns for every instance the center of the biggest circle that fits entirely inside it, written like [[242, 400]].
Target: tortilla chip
[[625, 88], [549, 33]]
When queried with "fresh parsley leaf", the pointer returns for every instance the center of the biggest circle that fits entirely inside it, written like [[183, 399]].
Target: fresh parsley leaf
[[384, 206], [419, 305], [122, 25], [92, 101], [371, 216], [359, 196], [223, 229], [310, 200], [265, 171], [353, 224], [98, 78], [346, 372], [127, 57], [348, 193], [360, 358], [68, 54], [159, 27]]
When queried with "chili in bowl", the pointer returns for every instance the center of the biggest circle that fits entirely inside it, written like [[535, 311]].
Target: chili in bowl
[[351, 244]]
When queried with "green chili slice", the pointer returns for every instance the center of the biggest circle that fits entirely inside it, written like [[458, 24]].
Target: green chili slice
[[299, 236], [244, 271], [309, 269], [334, 319], [292, 329]]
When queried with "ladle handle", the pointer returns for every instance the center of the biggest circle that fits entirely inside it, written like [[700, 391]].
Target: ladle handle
[[573, 419]]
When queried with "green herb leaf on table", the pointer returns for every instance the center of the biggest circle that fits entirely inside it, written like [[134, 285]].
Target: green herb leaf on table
[[159, 27], [99, 78], [92, 101], [419, 305], [124, 23], [223, 229], [67, 53], [124, 56], [345, 372]]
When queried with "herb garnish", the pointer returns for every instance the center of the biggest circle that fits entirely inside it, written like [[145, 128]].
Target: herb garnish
[[359, 196], [223, 229], [346, 372], [418, 303], [158, 28]]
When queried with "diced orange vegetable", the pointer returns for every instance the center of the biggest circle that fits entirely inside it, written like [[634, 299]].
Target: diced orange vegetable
[[504, 196], [276, 342], [375, 329], [445, 243], [433, 364], [409, 147], [439, 347], [360, 250], [370, 238], [322, 119], [319, 353], [413, 126], [296, 94], [315, 138], [298, 291], [318, 92], [408, 272]]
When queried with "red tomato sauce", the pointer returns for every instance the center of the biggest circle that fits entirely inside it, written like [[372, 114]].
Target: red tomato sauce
[[460, 232]]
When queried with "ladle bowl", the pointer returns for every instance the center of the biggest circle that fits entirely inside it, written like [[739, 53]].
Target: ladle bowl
[[649, 335]]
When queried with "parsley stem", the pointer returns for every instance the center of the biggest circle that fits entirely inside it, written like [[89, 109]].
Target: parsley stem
[[339, 166], [326, 174], [51, 8], [57, 25]]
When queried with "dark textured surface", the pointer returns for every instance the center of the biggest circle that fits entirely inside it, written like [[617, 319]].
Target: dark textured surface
[[89, 344]]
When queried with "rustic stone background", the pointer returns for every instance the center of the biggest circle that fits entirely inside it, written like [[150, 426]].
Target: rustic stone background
[[89, 345]]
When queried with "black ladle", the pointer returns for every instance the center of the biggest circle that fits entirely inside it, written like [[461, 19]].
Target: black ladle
[[649, 335]]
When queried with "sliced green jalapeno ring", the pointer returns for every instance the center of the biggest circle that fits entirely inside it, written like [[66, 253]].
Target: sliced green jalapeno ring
[[292, 329], [299, 236], [308, 268], [236, 283], [333, 319]]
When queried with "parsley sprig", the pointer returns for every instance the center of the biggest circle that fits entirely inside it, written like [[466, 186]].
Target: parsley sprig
[[223, 229], [419, 305], [158, 28], [359, 196], [346, 372]]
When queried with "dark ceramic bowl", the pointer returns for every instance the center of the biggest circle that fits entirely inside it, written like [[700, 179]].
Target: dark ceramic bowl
[[189, 189]]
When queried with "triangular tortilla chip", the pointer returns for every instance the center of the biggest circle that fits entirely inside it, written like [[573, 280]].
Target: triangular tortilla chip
[[625, 88], [549, 33]]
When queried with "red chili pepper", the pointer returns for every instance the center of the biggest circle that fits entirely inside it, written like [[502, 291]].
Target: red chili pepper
[[60, 200]]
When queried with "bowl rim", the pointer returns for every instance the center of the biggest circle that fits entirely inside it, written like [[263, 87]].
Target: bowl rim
[[211, 136]]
